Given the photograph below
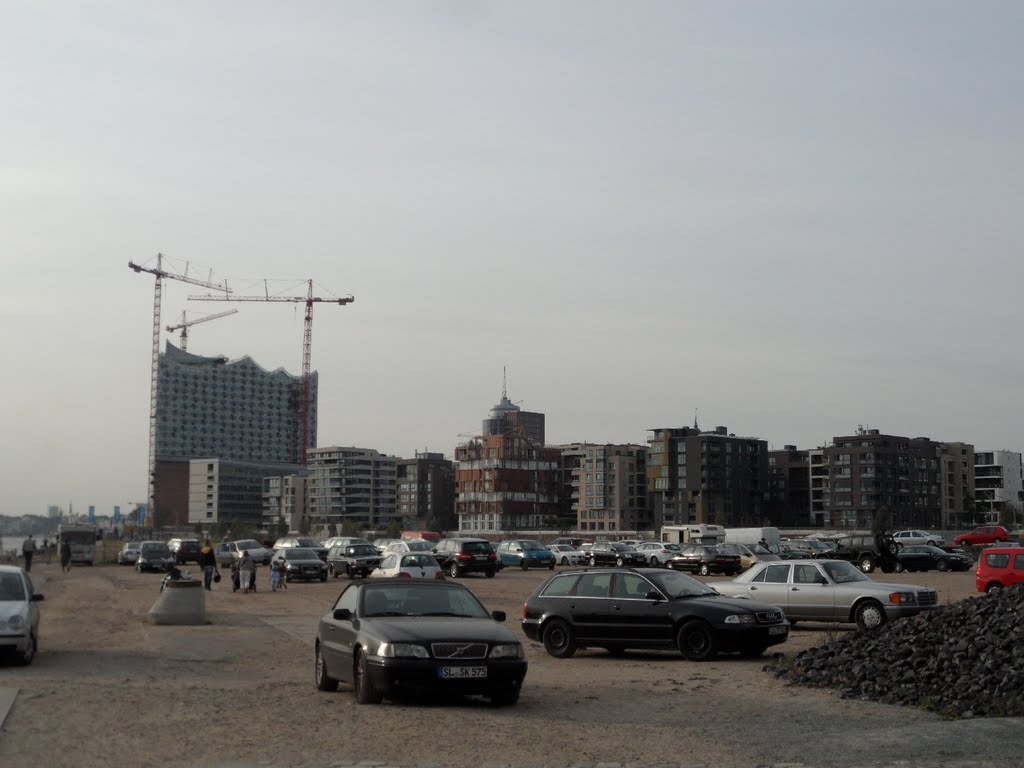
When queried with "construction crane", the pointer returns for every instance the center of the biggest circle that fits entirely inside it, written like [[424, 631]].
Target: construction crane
[[184, 325], [160, 273], [307, 345]]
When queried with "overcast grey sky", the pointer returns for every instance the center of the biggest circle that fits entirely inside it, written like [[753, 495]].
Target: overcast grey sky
[[794, 217]]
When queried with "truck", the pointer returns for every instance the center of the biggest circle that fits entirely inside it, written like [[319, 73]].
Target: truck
[[704, 533], [752, 536], [82, 540]]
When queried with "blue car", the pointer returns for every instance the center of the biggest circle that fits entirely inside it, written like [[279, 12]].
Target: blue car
[[526, 553]]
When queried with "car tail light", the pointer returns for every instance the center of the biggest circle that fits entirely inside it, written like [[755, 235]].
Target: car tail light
[[524, 610], [492, 555], [464, 556], [439, 575], [404, 575]]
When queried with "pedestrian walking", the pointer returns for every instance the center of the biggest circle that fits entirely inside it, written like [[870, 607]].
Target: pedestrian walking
[[246, 571], [208, 562], [65, 555], [28, 549]]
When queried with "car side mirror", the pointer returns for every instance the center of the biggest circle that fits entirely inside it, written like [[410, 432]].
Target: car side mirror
[[653, 595], [518, 550], [498, 615], [342, 614], [823, 581], [37, 598]]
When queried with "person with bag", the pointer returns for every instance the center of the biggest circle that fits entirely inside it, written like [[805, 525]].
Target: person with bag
[[246, 571], [208, 562]]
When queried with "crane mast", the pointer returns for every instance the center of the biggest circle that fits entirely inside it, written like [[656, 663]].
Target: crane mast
[[159, 273], [307, 346]]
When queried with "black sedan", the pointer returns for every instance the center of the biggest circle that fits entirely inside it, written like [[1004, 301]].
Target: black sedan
[[302, 563], [924, 557], [352, 560], [705, 559], [647, 608], [613, 553], [394, 637]]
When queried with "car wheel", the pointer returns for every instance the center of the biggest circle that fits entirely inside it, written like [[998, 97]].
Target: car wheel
[[365, 692], [505, 698], [999, 540], [943, 565], [932, 543], [25, 657], [867, 565], [565, 561], [323, 577], [995, 586], [654, 562], [869, 615], [324, 682], [559, 639], [593, 560], [899, 568], [524, 565], [453, 570], [491, 572], [695, 641], [704, 570], [618, 562]]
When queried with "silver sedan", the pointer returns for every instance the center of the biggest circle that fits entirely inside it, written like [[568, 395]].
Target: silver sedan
[[829, 590]]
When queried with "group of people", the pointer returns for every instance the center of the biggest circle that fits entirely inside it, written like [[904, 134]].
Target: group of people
[[29, 549], [243, 571]]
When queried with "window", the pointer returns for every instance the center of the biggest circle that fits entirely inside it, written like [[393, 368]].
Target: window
[[594, 585], [560, 586], [629, 586], [776, 574]]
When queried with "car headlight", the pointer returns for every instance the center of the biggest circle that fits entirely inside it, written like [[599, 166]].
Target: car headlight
[[16, 622], [402, 650], [506, 651], [740, 618], [899, 598]]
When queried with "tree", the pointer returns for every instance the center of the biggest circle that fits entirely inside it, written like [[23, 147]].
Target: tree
[[394, 529], [881, 520], [1008, 515]]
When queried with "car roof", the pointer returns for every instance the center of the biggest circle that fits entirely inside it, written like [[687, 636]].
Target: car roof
[[11, 569]]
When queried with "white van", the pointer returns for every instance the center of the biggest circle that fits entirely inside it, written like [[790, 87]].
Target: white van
[[751, 536]]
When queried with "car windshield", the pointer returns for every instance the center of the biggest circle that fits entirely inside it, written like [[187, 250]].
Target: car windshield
[[420, 600], [298, 553], [418, 560], [675, 584], [531, 545], [156, 550], [476, 546], [842, 572], [361, 549], [248, 544], [622, 547], [11, 587]]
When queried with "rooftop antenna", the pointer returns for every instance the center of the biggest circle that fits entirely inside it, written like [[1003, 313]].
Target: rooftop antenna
[[695, 420], [504, 383]]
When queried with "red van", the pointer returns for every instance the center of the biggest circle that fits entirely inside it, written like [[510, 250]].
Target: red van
[[999, 567]]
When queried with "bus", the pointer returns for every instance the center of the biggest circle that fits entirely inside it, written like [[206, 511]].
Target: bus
[[82, 539]]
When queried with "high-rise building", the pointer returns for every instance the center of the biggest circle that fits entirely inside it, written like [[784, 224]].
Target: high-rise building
[[223, 491], [284, 502], [507, 418], [608, 486], [426, 490], [956, 469], [789, 498], [998, 484], [350, 485]]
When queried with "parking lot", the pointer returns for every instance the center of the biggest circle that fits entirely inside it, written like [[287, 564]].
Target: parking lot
[[108, 687]]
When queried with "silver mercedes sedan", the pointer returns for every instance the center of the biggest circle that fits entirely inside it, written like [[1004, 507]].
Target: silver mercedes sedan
[[829, 590]]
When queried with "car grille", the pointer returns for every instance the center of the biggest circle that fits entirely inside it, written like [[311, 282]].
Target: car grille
[[459, 650], [766, 617], [927, 598]]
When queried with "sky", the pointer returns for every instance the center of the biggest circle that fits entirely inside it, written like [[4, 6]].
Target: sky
[[790, 218]]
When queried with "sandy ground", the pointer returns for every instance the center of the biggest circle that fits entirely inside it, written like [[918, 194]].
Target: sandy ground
[[109, 688]]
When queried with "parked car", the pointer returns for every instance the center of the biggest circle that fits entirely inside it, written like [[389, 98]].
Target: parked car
[[648, 608], [829, 590], [223, 555], [460, 556], [184, 550], [19, 614], [615, 553], [381, 544], [154, 556], [525, 553], [336, 541], [813, 547], [416, 565], [865, 552], [788, 551], [705, 559], [910, 538], [748, 556], [922, 557], [306, 542], [302, 563], [630, 542], [411, 545], [568, 541], [260, 555], [983, 534], [566, 555], [352, 560], [129, 553], [999, 567], [657, 553], [428, 637]]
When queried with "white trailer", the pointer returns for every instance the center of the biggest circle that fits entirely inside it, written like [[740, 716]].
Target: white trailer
[[693, 534], [752, 536]]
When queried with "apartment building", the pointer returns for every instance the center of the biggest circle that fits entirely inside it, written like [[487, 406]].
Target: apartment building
[[789, 498], [222, 491], [607, 486], [998, 484], [956, 470], [284, 502], [426, 490], [351, 485]]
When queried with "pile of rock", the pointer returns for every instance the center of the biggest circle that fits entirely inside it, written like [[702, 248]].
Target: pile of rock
[[962, 660]]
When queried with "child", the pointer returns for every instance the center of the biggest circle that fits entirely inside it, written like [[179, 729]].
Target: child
[[275, 575]]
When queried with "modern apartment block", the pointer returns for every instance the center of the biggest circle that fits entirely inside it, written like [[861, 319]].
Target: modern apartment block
[[998, 484], [222, 491], [956, 468], [707, 477], [351, 485], [426, 490], [284, 502], [789, 496], [607, 485], [866, 474]]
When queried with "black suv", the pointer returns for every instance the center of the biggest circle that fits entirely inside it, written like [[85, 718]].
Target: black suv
[[184, 550], [867, 552], [352, 560], [458, 557], [613, 553]]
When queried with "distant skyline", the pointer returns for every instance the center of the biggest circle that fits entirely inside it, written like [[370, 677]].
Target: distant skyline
[[795, 217]]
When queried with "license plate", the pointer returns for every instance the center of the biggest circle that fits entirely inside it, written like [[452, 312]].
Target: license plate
[[461, 673], [777, 630]]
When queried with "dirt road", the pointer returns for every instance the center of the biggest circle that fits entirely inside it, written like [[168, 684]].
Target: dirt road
[[108, 688]]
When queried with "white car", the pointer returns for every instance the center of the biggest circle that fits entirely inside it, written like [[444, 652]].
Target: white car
[[260, 555], [566, 555], [657, 552], [19, 614], [129, 554], [413, 545], [910, 538], [416, 565]]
